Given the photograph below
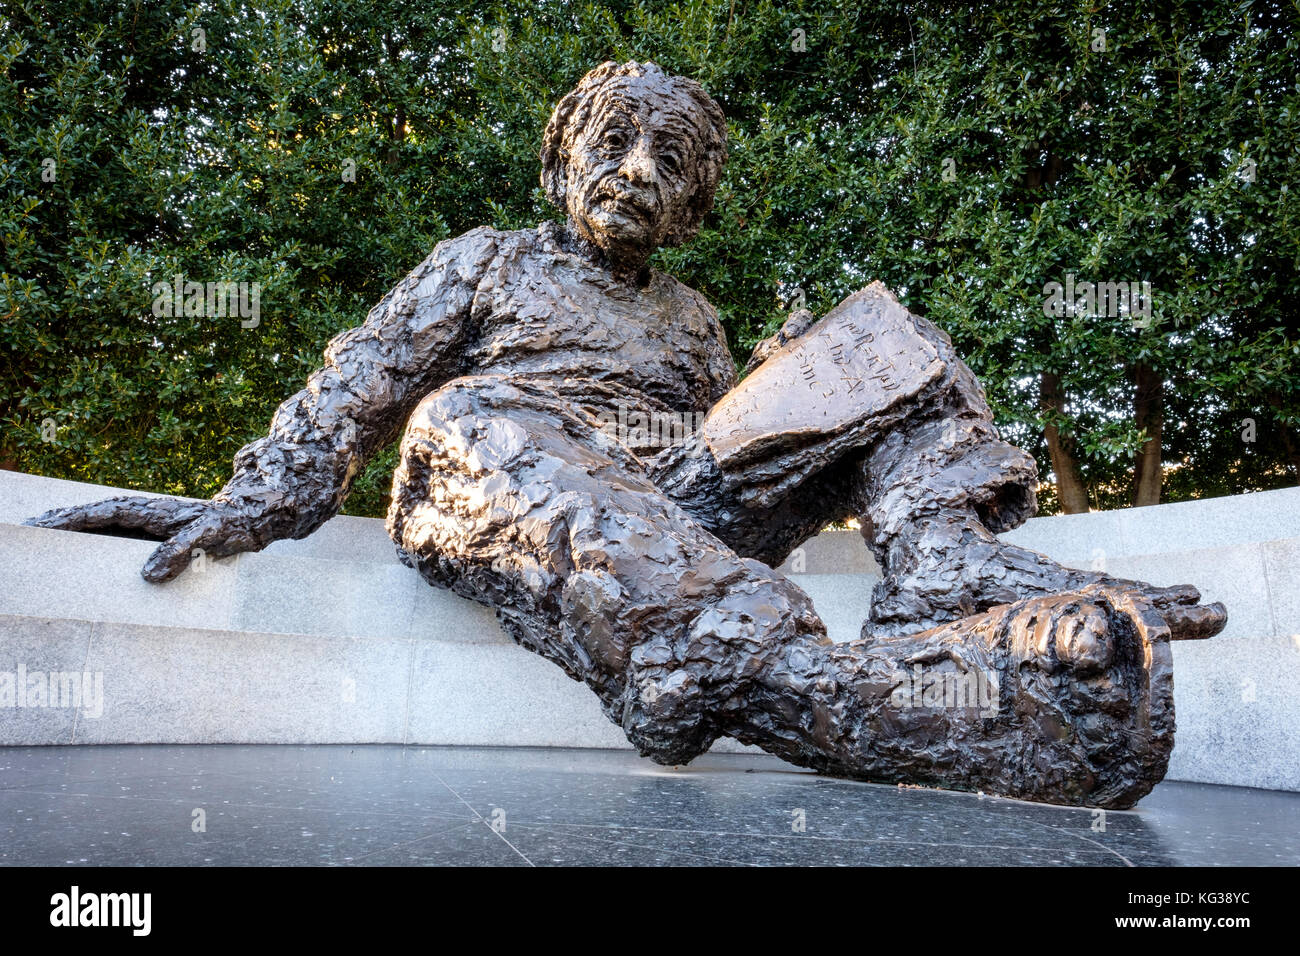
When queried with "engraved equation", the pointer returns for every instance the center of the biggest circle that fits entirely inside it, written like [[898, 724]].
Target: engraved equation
[[861, 359], [853, 359]]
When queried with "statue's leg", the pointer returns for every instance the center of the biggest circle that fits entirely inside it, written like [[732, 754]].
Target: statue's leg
[[929, 504], [819, 433], [931, 497], [508, 497]]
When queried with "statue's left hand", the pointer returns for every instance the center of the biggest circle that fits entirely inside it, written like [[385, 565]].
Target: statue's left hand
[[796, 325], [186, 528]]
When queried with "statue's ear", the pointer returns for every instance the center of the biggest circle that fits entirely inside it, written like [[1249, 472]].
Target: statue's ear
[[686, 228], [696, 208], [554, 170]]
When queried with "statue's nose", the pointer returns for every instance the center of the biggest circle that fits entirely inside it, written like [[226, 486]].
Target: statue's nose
[[638, 166]]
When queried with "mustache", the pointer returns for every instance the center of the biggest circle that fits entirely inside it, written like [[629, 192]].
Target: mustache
[[645, 200]]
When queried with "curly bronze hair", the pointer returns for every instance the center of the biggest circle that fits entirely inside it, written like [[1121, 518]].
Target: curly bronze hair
[[574, 110]]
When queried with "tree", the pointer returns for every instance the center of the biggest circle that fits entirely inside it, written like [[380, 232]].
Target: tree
[[320, 148]]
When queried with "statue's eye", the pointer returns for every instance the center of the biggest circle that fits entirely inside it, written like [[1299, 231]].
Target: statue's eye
[[614, 139], [672, 162]]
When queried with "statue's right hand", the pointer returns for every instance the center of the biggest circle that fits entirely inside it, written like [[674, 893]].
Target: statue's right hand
[[210, 528]]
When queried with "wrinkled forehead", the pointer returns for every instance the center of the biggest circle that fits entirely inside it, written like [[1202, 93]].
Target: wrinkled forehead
[[650, 106]]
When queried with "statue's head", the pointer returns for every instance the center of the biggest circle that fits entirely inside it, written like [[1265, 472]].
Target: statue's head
[[633, 157]]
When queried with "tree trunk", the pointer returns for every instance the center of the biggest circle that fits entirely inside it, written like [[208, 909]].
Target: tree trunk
[[1070, 489], [1290, 446], [1149, 414]]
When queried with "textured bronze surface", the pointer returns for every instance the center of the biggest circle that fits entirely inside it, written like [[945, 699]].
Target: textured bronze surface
[[578, 455]]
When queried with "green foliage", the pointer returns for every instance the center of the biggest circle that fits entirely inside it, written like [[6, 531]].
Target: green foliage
[[1169, 156]]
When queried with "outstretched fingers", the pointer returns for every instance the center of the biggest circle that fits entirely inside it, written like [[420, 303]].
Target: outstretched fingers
[[187, 529], [157, 517], [1180, 606], [1195, 623], [1188, 619], [1172, 596], [211, 535]]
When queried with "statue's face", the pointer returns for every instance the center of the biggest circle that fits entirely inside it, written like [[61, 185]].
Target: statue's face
[[633, 170]]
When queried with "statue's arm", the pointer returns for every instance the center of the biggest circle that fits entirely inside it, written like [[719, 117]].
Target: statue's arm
[[355, 405], [288, 483]]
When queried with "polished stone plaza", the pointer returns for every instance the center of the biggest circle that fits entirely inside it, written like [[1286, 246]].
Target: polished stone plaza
[[388, 805]]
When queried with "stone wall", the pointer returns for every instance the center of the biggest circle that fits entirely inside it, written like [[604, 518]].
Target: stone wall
[[331, 640]]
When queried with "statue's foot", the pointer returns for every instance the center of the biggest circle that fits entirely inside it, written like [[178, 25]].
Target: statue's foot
[[1066, 699]]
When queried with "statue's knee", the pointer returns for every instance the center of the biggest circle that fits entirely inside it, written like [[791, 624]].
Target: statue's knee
[[666, 717], [683, 688], [443, 406], [435, 486]]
